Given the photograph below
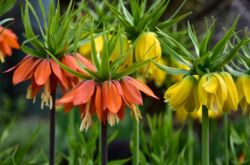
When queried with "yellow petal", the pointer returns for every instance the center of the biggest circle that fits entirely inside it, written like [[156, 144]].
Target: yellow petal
[[202, 94], [246, 87], [179, 92], [147, 46], [239, 88], [211, 84], [232, 100]]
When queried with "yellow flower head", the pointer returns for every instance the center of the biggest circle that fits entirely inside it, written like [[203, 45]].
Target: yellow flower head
[[184, 94], [243, 89], [85, 49], [212, 91], [147, 46]]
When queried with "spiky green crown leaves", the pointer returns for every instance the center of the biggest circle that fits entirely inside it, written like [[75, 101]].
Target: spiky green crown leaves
[[204, 56], [59, 34], [241, 64], [141, 19]]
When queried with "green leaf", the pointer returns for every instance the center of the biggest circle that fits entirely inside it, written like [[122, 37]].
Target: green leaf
[[207, 38], [233, 72], [171, 22], [170, 70], [6, 5], [219, 63], [219, 47], [194, 40], [175, 46], [120, 162], [21, 153], [131, 69], [2, 22]]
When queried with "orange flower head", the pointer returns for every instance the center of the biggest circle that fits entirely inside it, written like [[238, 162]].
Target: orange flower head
[[8, 40], [46, 73], [107, 99]]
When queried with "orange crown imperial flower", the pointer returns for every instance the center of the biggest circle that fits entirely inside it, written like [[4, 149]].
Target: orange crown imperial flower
[[46, 73], [57, 39], [8, 40], [107, 99], [110, 89]]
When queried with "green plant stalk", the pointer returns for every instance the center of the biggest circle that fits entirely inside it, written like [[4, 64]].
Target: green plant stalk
[[52, 131], [104, 144], [226, 139], [190, 141], [135, 157], [71, 134], [205, 136]]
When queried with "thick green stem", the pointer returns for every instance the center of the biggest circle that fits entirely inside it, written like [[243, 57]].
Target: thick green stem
[[52, 131], [104, 144], [205, 136], [190, 142], [226, 139], [135, 157]]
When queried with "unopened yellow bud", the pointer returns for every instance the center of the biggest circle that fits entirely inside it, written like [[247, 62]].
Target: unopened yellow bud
[[147, 46], [85, 49]]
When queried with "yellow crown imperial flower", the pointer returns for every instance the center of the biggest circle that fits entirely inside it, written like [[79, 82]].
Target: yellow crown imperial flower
[[183, 94], [212, 91], [147, 46], [232, 100], [85, 49], [243, 89]]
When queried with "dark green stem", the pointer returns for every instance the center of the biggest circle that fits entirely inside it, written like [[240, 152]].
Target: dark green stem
[[226, 139], [104, 144], [190, 141], [135, 157], [205, 136], [52, 131]]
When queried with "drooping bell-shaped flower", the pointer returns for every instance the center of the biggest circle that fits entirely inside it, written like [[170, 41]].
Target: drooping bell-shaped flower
[[38, 67], [8, 41], [110, 89], [243, 89]]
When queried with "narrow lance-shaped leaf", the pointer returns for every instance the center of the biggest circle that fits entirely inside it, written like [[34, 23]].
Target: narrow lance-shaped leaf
[[171, 70], [221, 44]]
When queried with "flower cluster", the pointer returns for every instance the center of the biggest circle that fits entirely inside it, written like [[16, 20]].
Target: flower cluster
[[107, 99]]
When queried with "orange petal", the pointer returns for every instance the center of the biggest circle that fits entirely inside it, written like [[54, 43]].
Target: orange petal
[[131, 93], [10, 38], [118, 87], [86, 62], [42, 72], [121, 112], [84, 93], [98, 102], [69, 96], [14, 67], [105, 95], [5, 48], [59, 74], [34, 89], [114, 101], [69, 61], [142, 87], [67, 107], [25, 70]]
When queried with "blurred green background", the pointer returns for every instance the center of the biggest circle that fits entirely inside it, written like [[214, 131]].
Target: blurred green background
[[24, 127]]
